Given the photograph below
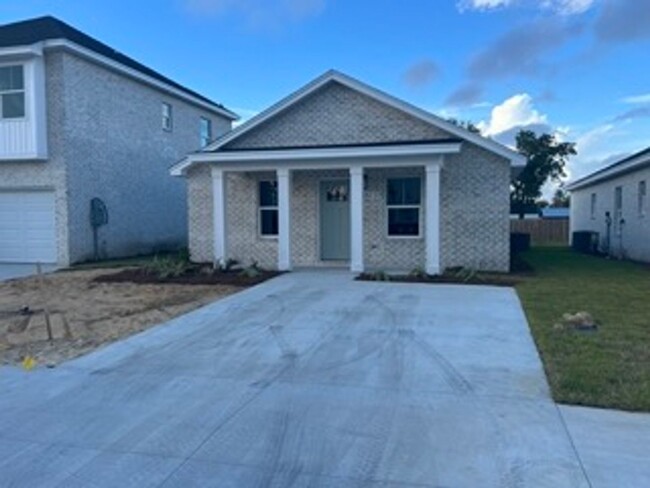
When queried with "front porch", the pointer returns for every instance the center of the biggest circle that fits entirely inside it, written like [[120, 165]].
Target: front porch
[[336, 211]]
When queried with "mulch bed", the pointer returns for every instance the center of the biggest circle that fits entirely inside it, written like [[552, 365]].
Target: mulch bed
[[491, 280], [197, 276]]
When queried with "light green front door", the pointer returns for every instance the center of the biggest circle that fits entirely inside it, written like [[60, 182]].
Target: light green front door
[[335, 220]]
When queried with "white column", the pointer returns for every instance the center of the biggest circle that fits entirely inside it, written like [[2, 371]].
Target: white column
[[432, 213], [284, 219], [356, 219], [219, 214]]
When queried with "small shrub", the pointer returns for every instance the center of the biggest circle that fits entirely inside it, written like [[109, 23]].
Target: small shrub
[[468, 275], [252, 271], [225, 265], [379, 276], [418, 273], [168, 267]]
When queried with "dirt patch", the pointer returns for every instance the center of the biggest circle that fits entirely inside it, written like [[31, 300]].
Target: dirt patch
[[87, 311]]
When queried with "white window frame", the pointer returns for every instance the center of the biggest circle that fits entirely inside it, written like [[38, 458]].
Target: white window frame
[[261, 208], [642, 198], [403, 206], [167, 112], [618, 209], [593, 202], [14, 91], [206, 139]]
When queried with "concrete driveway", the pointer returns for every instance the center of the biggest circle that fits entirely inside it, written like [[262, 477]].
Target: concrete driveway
[[9, 271], [310, 379]]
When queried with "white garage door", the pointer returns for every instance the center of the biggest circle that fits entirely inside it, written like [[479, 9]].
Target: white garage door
[[27, 231]]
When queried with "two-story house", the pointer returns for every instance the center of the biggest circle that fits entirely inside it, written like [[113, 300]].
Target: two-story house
[[83, 125]]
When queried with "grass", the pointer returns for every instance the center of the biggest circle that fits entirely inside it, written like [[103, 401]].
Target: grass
[[608, 368]]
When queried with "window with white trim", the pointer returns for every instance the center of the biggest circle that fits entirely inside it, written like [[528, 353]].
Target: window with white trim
[[167, 117], [205, 131], [12, 92], [618, 209], [403, 201], [268, 208], [592, 208], [643, 198]]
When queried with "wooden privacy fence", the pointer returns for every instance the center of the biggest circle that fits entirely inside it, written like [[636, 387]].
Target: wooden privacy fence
[[543, 231]]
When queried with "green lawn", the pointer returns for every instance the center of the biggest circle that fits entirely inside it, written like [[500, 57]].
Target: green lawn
[[610, 367]]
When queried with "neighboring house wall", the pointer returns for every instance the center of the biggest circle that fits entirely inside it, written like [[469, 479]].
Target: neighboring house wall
[[116, 150], [105, 140], [635, 236], [50, 174]]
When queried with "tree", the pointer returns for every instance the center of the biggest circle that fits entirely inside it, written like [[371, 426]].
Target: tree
[[561, 199], [547, 158], [465, 124]]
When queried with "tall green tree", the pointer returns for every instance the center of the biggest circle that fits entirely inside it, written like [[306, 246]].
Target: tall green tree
[[547, 158]]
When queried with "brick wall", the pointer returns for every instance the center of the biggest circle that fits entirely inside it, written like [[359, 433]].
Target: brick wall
[[336, 114], [474, 220]]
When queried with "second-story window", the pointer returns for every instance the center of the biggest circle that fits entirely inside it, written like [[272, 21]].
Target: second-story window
[[205, 131], [167, 118], [12, 92]]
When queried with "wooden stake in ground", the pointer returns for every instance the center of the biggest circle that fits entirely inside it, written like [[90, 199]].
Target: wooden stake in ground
[[46, 310]]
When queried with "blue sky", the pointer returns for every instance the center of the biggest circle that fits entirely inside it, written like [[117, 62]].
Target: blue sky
[[578, 68]]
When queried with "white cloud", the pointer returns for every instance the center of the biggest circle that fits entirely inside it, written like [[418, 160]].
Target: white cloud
[[562, 7], [568, 7], [482, 4], [245, 113], [516, 111], [645, 98]]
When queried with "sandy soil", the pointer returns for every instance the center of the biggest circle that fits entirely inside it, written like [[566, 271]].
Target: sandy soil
[[86, 314]]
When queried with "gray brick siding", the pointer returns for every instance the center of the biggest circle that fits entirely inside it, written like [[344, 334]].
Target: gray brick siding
[[201, 223], [475, 210], [474, 216], [336, 114], [116, 150]]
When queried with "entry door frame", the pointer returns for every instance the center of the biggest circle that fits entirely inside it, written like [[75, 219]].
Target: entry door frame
[[320, 200]]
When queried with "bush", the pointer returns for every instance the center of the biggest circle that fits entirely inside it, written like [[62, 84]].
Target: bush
[[168, 266]]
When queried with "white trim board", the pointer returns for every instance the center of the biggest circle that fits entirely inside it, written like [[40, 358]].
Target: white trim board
[[617, 169], [344, 157]]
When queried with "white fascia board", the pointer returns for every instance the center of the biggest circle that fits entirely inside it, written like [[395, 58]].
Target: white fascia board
[[515, 158], [17, 52], [119, 67], [266, 158], [632, 165]]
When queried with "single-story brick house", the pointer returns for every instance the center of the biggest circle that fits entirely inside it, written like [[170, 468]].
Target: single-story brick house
[[340, 173]]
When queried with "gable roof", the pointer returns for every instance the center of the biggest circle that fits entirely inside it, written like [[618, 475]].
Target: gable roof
[[48, 28], [356, 85], [631, 163]]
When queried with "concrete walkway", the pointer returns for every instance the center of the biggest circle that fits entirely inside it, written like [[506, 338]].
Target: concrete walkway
[[310, 379]]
